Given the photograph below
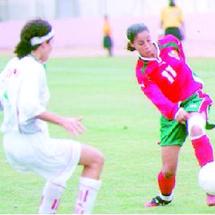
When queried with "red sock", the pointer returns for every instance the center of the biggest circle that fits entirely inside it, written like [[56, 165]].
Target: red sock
[[203, 150], [166, 184]]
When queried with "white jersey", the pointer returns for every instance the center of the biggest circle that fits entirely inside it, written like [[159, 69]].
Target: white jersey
[[24, 95], [27, 145]]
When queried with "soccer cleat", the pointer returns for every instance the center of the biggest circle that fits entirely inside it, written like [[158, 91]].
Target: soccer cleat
[[210, 200], [156, 201]]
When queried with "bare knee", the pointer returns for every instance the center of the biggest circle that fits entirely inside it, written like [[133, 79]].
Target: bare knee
[[169, 171], [196, 125], [91, 157], [92, 161], [170, 160], [196, 131], [98, 160]]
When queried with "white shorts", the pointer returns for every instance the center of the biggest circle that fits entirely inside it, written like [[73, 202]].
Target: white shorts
[[54, 159]]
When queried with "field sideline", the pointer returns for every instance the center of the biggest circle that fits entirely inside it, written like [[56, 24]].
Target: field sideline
[[123, 124]]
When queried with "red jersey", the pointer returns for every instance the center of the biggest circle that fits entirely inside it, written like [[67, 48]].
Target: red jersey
[[167, 80]]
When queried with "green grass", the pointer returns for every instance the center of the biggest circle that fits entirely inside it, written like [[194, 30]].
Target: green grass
[[122, 123]]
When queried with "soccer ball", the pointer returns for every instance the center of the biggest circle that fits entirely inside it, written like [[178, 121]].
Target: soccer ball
[[206, 178]]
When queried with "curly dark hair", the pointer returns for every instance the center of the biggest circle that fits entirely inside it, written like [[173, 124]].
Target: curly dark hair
[[33, 28]]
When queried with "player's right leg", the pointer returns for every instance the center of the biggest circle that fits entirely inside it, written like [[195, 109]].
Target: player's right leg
[[56, 162], [166, 177]]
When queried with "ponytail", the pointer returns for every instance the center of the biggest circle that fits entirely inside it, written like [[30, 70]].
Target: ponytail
[[130, 47], [23, 48]]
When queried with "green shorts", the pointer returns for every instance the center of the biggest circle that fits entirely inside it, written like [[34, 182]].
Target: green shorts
[[107, 42], [174, 133]]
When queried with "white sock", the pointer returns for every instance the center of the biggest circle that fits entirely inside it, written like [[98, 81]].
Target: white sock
[[87, 193], [50, 198], [167, 198]]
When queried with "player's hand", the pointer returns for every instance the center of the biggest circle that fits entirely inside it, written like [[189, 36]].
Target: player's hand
[[181, 116], [73, 125]]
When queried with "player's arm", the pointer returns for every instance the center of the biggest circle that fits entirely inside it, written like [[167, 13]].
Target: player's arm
[[183, 30], [72, 125], [162, 17], [30, 106], [167, 108], [182, 27]]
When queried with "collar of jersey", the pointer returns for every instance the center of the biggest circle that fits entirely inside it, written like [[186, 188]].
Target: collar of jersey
[[37, 60], [158, 59]]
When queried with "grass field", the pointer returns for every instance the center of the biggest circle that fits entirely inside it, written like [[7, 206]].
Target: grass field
[[122, 123]]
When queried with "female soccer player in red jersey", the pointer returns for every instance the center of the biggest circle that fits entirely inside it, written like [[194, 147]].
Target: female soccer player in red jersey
[[167, 80]]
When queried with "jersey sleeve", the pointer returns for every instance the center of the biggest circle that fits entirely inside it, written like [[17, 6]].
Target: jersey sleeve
[[167, 108], [30, 104], [4, 76], [172, 43]]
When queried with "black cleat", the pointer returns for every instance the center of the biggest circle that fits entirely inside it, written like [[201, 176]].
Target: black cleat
[[156, 201]]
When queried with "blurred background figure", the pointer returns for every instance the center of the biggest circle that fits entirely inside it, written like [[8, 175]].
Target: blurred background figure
[[107, 39], [172, 21], [63, 13]]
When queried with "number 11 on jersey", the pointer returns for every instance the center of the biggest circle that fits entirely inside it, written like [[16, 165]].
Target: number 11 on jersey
[[170, 74]]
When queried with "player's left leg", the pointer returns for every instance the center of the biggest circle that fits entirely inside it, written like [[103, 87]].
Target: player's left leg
[[89, 185], [201, 143], [172, 137]]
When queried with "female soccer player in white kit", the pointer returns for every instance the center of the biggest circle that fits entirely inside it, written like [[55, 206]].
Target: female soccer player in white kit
[[24, 95]]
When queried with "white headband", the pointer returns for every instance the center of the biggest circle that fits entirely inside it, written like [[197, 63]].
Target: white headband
[[39, 40]]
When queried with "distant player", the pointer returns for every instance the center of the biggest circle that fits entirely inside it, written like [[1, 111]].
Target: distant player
[[24, 96], [167, 80], [172, 20], [107, 37]]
